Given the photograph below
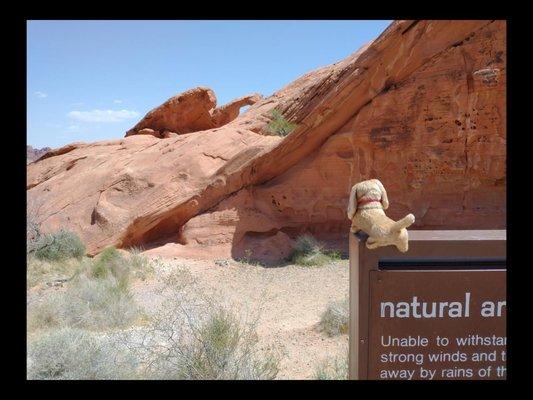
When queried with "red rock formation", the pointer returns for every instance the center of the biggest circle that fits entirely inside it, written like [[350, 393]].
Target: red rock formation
[[228, 112], [190, 111], [422, 108]]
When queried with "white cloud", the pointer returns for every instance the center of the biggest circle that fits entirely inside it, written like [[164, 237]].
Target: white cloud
[[73, 128], [117, 101], [103, 115], [40, 95]]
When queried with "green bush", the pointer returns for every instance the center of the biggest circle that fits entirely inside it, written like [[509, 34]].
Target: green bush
[[279, 125], [309, 252], [111, 262], [224, 350], [66, 353], [108, 262], [334, 321], [334, 255], [307, 244], [219, 347], [58, 246]]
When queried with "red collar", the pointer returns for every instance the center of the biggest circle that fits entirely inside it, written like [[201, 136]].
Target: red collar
[[366, 200]]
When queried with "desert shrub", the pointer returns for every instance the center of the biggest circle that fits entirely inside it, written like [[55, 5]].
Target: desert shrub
[[140, 265], [216, 346], [193, 337], [334, 320], [88, 303], [68, 353], [43, 314], [111, 262], [248, 259], [279, 125], [108, 262], [39, 271], [310, 252], [335, 368], [334, 255], [311, 260], [58, 246], [189, 336], [136, 259], [224, 349], [33, 226], [98, 304]]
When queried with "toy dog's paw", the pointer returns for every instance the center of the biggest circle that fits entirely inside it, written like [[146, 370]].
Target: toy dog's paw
[[371, 243], [403, 248]]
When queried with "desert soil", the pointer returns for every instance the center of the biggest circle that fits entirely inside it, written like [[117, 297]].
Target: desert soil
[[290, 300]]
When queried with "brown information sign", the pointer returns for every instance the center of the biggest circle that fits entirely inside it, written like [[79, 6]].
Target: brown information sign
[[433, 325]]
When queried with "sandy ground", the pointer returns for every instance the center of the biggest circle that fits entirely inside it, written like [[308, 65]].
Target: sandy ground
[[290, 300]]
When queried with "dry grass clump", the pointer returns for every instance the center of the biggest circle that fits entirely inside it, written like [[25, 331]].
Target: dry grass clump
[[86, 303], [97, 296], [310, 252], [335, 368], [109, 262], [98, 304], [140, 266], [67, 353], [334, 320], [39, 271]]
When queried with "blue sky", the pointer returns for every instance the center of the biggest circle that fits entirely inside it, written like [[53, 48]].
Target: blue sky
[[93, 80]]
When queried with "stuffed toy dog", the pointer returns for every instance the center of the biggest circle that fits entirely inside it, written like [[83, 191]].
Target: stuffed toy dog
[[367, 201]]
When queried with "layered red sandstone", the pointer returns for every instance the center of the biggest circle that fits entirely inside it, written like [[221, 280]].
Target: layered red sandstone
[[422, 108]]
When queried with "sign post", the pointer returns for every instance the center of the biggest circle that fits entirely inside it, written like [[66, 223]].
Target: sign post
[[435, 312]]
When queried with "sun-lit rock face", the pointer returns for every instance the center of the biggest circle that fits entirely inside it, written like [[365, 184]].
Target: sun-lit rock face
[[422, 108], [190, 111]]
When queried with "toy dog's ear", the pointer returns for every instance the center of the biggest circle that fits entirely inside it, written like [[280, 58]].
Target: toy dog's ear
[[384, 198], [352, 202]]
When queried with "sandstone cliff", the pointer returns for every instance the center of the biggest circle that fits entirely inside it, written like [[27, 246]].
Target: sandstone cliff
[[422, 108]]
